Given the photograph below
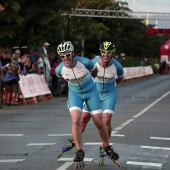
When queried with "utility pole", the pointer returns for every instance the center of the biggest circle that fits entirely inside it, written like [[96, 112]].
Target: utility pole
[[68, 26]]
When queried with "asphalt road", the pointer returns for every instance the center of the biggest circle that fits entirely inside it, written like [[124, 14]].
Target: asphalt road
[[31, 136]]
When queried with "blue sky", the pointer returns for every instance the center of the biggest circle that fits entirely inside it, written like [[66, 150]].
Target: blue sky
[[152, 6]]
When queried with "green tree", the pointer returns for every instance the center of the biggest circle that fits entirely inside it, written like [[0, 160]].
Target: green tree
[[30, 23]]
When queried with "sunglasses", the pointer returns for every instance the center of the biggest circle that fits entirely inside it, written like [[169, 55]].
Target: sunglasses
[[108, 52], [67, 55]]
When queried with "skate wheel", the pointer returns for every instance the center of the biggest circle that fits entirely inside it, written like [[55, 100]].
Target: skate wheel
[[101, 161], [118, 163], [78, 165]]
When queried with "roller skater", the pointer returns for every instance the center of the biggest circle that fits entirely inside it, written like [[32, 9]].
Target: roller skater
[[78, 160], [66, 148], [112, 155], [79, 72]]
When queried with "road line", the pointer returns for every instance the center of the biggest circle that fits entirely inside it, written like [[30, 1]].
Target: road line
[[119, 135], [155, 147], [151, 105], [118, 128], [127, 122], [40, 144], [59, 135], [11, 160], [114, 132], [124, 124], [12, 135], [160, 138], [95, 143], [71, 159], [149, 164], [65, 166]]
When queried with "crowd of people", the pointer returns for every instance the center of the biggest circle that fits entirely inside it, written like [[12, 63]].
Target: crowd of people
[[19, 63]]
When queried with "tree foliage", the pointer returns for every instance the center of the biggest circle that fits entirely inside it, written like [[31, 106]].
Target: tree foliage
[[25, 22], [30, 23]]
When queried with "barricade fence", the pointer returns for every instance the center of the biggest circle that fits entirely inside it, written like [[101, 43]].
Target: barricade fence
[[34, 86], [137, 72]]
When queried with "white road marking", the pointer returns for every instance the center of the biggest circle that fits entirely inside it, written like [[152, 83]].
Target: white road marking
[[71, 159], [65, 166], [11, 160], [59, 135], [118, 128], [114, 132], [127, 122], [119, 135], [155, 147], [10, 135], [124, 124], [140, 113], [95, 143], [160, 138], [151, 105], [40, 144], [148, 164]]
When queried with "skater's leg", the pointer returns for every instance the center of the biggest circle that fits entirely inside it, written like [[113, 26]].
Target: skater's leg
[[98, 121], [86, 116], [76, 128], [107, 121], [84, 120]]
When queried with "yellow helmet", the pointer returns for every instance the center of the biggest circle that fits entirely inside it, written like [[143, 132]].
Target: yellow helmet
[[108, 46]]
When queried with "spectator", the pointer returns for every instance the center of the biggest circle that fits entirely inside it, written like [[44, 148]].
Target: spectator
[[44, 63], [54, 64], [156, 67], [13, 69], [22, 64], [164, 67], [19, 53], [4, 60], [34, 58], [29, 65], [141, 63]]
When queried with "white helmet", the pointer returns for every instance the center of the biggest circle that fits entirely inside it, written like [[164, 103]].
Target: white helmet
[[64, 47]]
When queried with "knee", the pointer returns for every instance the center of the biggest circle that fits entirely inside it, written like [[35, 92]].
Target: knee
[[99, 125], [85, 119], [107, 121], [76, 122]]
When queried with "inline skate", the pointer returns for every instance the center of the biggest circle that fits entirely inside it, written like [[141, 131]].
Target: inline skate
[[113, 155], [102, 154], [67, 147], [78, 160]]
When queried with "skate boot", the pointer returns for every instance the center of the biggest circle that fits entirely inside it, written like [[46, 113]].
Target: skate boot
[[67, 147], [113, 155], [78, 160], [102, 154]]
